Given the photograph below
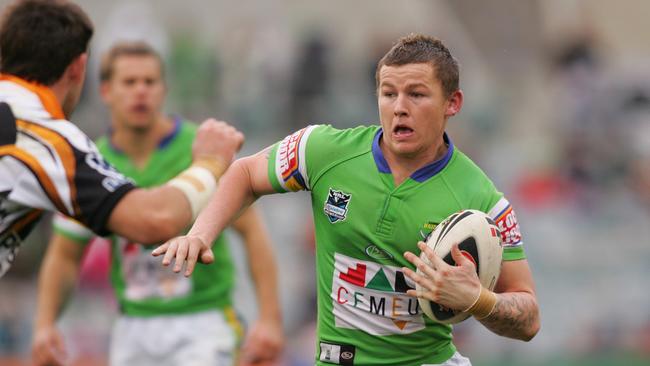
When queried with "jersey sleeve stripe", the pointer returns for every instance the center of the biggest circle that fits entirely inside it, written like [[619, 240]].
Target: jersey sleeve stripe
[[302, 155], [71, 229], [43, 179], [499, 209], [513, 253], [29, 218], [290, 169], [63, 150], [273, 177]]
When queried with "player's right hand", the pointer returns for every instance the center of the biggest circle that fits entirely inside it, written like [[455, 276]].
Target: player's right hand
[[48, 348], [186, 249], [217, 140]]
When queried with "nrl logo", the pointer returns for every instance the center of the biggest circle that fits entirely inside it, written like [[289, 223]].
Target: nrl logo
[[336, 206]]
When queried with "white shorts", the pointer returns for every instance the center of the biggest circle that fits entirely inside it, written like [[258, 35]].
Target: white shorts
[[456, 360], [205, 338]]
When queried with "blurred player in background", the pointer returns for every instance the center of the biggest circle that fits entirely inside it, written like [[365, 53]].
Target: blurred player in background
[[166, 319], [376, 192], [48, 164]]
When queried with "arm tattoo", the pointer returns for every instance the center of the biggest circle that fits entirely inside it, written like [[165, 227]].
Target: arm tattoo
[[515, 315]]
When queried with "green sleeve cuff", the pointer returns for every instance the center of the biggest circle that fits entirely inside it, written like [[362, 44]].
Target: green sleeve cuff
[[271, 172], [79, 239], [514, 253]]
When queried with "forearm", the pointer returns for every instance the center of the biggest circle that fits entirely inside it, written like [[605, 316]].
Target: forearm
[[150, 216], [56, 283], [234, 194], [515, 315], [264, 271]]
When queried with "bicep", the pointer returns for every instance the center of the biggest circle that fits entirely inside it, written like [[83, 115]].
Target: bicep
[[256, 168], [515, 277]]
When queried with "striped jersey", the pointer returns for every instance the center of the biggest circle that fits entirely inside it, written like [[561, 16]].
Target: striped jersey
[[364, 224], [47, 164]]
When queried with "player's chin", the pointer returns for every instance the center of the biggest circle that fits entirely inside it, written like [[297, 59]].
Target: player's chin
[[406, 149]]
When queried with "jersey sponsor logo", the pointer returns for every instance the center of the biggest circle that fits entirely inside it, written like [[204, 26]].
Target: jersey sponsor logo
[[145, 278], [338, 354], [427, 228], [376, 252], [509, 227], [336, 205], [372, 298], [288, 156]]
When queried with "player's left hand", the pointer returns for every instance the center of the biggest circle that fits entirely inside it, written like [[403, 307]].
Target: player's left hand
[[263, 344], [188, 249], [455, 287]]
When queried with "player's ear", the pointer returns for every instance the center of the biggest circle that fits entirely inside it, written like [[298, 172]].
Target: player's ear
[[76, 71], [454, 103]]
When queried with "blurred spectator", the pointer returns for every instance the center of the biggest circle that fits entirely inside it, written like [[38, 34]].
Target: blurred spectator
[[310, 82]]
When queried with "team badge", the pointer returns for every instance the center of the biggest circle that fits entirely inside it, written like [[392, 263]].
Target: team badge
[[336, 206]]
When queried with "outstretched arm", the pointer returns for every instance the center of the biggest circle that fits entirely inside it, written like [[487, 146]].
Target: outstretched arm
[[265, 338], [162, 212], [243, 182]]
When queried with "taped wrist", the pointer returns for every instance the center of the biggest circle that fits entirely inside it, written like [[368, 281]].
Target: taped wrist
[[483, 305], [198, 182]]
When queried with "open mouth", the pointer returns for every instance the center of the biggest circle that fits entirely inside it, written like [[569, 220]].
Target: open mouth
[[140, 108], [402, 131]]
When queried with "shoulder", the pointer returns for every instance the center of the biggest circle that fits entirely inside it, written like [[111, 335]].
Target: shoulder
[[328, 134], [307, 153], [469, 182]]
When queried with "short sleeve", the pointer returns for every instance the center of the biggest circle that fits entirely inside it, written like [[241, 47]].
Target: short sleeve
[[287, 167], [60, 169], [504, 216]]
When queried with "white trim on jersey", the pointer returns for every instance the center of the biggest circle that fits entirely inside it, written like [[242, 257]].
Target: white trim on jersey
[[72, 227], [291, 149]]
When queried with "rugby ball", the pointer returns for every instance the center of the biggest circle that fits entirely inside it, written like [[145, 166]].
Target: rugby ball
[[478, 239]]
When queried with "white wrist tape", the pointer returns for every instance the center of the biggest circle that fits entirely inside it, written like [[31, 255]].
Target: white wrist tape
[[197, 183]]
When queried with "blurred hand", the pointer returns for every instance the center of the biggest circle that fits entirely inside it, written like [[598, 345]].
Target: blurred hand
[[48, 348], [455, 287], [217, 140], [263, 344], [188, 249]]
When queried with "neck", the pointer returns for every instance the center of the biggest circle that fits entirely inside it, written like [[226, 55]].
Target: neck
[[403, 166], [139, 144], [61, 89]]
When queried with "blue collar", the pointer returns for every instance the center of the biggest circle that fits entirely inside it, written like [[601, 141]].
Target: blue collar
[[162, 144], [419, 175]]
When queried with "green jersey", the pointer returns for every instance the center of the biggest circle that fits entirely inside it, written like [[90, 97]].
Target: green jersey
[[364, 224], [142, 286]]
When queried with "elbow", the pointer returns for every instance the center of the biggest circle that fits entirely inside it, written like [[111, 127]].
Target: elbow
[[532, 329], [531, 332]]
